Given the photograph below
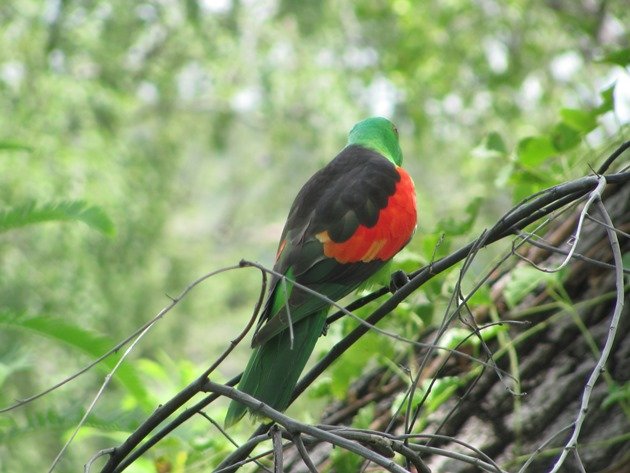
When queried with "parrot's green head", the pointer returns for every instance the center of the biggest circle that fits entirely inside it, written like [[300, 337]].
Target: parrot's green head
[[378, 134]]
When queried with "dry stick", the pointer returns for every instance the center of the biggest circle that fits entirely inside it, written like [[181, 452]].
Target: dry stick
[[101, 453], [299, 443], [165, 410], [595, 194], [243, 451], [249, 445], [542, 446], [612, 330], [396, 442], [121, 344], [454, 455], [622, 233], [292, 425], [518, 218], [278, 454], [411, 456], [540, 243], [130, 444], [288, 310], [229, 437], [432, 437]]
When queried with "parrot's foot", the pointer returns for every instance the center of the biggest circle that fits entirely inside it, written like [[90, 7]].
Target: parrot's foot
[[398, 280], [325, 330]]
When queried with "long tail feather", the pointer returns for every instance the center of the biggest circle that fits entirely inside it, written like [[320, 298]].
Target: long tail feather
[[274, 368]]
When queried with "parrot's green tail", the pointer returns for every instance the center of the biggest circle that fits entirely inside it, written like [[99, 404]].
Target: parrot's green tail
[[274, 368]]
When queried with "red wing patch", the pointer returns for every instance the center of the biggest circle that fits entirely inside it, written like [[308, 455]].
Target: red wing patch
[[281, 248], [394, 228]]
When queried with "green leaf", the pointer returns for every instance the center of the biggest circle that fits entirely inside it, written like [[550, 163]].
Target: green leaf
[[434, 245], [527, 181], [8, 145], [524, 280], [495, 142], [11, 362], [83, 340], [608, 100], [48, 420], [617, 393], [77, 210], [453, 227], [355, 361], [492, 146], [582, 120], [534, 150], [621, 57], [442, 389], [481, 296], [456, 335], [565, 137], [344, 461]]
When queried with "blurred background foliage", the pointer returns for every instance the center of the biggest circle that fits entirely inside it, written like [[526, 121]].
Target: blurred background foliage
[[165, 139]]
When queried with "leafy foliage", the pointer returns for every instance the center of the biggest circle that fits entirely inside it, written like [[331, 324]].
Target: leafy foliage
[[191, 125], [30, 213]]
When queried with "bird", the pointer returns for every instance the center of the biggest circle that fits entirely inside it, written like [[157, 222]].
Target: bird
[[348, 220]]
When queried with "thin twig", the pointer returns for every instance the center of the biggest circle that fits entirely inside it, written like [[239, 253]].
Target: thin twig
[[395, 442], [97, 397], [604, 224], [96, 456], [299, 443], [538, 242], [612, 331], [542, 446], [252, 443], [618, 152], [278, 455], [292, 425]]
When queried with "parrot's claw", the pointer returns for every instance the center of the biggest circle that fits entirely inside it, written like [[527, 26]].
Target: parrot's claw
[[398, 280]]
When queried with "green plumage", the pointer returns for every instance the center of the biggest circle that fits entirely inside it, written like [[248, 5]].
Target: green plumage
[[349, 193], [274, 386]]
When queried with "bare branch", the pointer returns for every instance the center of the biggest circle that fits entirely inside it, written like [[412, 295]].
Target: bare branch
[[537, 241], [292, 425], [599, 367], [299, 443]]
